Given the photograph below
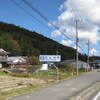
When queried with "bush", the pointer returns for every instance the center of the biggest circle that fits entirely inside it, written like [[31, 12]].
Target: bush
[[33, 60], [20, 75], [68, 67], [33, 68]]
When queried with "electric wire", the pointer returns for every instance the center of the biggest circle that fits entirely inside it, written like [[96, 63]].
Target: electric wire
[[14, 2], [45, 18], [74, 9]]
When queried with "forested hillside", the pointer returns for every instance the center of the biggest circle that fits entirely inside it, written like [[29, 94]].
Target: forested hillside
[[19, 41]]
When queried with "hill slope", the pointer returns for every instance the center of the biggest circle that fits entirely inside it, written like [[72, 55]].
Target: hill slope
[[20, 41]]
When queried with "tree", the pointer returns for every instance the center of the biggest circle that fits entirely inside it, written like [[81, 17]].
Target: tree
[[33, 60], [20, 41], [16, 50], [68, 67]]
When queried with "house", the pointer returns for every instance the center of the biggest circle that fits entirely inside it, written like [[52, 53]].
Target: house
[[17, 64], [16, 60], [81, 64], [3, 58], [95, 63]]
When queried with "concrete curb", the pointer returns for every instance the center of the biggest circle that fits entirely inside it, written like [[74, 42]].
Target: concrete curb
[[87, 93]]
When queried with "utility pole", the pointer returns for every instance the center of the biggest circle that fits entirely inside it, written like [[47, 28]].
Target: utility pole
[[88, 54], [77, 40], [93, 61], [57, 67]]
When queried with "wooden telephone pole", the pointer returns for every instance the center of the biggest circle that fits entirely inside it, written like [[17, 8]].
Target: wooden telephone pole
[[77, 40]]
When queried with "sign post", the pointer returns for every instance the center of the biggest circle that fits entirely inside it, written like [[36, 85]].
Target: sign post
[[51, 58]]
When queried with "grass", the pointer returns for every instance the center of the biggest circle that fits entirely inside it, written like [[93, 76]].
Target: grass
[[46, 75], [25, 75], [13, 93], [3, 73], [50, 76]]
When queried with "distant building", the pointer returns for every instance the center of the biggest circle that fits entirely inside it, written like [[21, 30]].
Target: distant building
[[3, 58], [95, 64], [17, 64], [81, 64], [16, 60]]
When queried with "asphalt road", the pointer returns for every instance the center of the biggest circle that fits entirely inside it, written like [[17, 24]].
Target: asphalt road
[[63, 90]]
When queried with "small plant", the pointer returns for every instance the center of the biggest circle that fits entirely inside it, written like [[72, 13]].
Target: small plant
[[20, 83], [2, 73], [20, 75], [68, 67]]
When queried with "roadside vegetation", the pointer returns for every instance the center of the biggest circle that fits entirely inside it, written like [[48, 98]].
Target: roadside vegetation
[[14, 84]]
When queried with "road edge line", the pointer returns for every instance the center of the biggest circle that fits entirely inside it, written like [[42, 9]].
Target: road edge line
[[85, 94]]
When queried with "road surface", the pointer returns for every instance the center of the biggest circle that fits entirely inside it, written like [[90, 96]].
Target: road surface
[[63, 90]]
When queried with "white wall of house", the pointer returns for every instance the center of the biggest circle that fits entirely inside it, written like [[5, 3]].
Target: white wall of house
[[44, 67], [81, 64], [0, 65], [15, 60]]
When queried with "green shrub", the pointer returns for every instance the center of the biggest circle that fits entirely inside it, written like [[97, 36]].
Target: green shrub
[[20, 75], [68, 67], [2, 73], [33, 60]]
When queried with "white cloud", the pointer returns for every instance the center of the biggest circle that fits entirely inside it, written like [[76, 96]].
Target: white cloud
[[66, 43], [85, 35], [93, 52], [79, 49], [89, 26]]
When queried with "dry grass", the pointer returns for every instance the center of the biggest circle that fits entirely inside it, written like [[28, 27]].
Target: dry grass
[[11, 86]]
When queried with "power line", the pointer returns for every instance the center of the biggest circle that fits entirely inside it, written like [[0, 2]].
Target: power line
[[45, 18], [38, 19], [29, 14], [74, 9]]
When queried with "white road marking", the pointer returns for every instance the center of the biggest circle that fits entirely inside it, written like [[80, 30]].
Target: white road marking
[[96, 97]]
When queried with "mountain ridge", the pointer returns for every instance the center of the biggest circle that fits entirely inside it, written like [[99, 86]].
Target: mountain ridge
[[20, 41]]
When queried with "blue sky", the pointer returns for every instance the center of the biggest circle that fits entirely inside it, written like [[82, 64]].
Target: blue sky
[[62, 13], [10, 13]]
